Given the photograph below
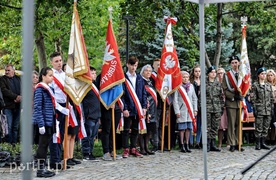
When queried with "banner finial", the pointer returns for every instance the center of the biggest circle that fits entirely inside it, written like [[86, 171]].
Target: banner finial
[[110, 9], [243, 21]]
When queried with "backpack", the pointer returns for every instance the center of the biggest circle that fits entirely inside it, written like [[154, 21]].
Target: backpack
[[2, 102], [3, 125]]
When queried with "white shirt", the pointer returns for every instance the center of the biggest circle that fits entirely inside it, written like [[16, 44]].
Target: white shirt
[[132, 79], [59, 94]]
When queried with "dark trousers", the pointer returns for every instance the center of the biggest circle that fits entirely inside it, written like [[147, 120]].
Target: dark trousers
[[172, 129], [130, 122], [107, 133], [91, 128], [43, 144], [13, 118], [56, 148]]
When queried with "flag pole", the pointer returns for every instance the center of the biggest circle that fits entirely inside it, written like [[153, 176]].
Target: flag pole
[[163, 125], [110, 9], [243, 24], [169, 128], [240, 126], [113, 134], [65, 141]]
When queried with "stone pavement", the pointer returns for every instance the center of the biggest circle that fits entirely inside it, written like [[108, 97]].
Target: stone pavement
[[170, 165]]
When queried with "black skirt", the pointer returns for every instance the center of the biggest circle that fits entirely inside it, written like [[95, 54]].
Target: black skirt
[[73, 130]]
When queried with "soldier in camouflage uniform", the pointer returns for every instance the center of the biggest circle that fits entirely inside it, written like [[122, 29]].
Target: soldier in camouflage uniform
[[262, 101], [214, 108]]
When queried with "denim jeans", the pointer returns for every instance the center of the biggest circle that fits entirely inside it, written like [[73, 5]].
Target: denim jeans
[[13, 117], [87, 143]]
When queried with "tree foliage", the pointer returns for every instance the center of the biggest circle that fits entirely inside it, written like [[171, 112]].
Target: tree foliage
[[53, 20], [52, 28]]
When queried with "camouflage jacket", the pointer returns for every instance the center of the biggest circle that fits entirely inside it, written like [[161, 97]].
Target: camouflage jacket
[[262, 99], [214, 97]]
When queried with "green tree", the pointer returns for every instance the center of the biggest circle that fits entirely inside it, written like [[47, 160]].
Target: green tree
[[52, 28]]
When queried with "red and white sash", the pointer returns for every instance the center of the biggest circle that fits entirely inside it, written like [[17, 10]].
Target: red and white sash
[[232, 79], [72, 117], [153, 75], [120, 126], [189, 105], [58, 83], [82, 132], [142, 123], [96, 91], [152, 93]]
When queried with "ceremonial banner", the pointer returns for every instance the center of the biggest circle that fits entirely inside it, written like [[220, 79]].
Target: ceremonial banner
[[78, 80], [168, 76], [112, 75], [244, 68]]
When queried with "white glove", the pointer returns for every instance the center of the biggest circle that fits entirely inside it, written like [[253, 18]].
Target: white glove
[[42, 130], [274, 124], [61, 109], [65, 111]]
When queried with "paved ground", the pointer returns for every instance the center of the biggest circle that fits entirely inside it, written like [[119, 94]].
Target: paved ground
[[170, 165]]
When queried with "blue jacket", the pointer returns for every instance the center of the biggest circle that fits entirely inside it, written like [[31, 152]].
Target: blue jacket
[[140, 92], [44, 112]]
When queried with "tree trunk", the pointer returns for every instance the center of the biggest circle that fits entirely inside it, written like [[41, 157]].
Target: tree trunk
[[219, 35], [41, 51], [58, 45]]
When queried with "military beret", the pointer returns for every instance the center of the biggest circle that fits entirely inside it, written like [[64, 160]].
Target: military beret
[[210, 69], [260, 70], [231, 58]]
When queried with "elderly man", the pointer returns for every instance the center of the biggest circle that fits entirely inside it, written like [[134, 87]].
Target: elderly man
[[11, 89]]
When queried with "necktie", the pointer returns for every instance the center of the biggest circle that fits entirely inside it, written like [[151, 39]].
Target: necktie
[[237, 76]]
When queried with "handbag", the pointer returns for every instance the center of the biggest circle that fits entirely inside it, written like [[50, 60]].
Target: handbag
[[3, 125]]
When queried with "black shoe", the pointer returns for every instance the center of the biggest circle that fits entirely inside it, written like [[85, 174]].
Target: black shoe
[[187, 149], [213, 146], [93, 158], [76, 161], [232, 148], [258, 144], [44, 173], [264, 146], [208, 144], [149, 152], [197, 146], [237, 148], [70, 162], [154, 149], [182, 149]]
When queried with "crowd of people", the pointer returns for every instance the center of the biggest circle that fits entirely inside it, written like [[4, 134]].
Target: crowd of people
[[223, 104]]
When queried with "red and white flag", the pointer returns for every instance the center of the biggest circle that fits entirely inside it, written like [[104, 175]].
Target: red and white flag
[[168, 76], [244, 69], [78, 80]]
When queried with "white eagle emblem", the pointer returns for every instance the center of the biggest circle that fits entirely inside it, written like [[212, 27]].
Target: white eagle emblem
[[169, 62], [108, 54]]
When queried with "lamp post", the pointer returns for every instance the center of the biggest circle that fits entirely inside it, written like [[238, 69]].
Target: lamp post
[[127, 18]]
